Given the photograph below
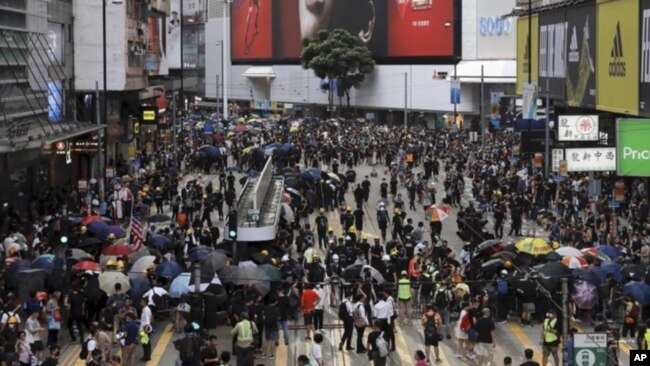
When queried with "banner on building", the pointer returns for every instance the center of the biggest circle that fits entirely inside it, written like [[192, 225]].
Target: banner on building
[[174, 35], [527, 52], [552, 53], [581, 56], [454, 91], [618, 56], [644, 47], [633, 147], [591, 159], [578, 128], [529, 102]]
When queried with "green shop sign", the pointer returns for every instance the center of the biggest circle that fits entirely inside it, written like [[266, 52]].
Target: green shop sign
[[633, 147], [590, 349]]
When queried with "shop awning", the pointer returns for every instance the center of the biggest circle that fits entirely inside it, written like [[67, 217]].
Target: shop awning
[[494, 71], [259, 72], [36, 136]]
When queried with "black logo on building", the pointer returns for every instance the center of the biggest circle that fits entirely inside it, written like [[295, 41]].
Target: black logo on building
[[617, 64]]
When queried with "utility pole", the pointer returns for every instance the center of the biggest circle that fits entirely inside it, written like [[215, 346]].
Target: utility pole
[[100, 175], [547, 129], [406, 100], [197, 277], [217, 95], [453, 118], [224, 77], [530, 40], [482, 116], [565, 319], [175, 144]]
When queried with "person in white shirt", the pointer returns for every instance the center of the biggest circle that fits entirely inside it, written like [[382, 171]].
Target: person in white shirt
[[318, 308], [384, 311], [146, 318], [359, 307], [316, 352], [348, 325]]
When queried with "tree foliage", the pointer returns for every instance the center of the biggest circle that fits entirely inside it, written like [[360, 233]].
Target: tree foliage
[[337, 55]]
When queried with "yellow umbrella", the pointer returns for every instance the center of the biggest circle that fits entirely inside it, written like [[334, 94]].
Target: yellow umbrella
[[230, 134], [533, 246], [247, 150], [293, 129]]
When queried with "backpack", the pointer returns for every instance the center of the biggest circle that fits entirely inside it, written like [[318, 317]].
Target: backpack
[[359, 320], [344, 315], [441, 300], [465, 323], [430, 328], [502, 287], [11, 318], [382, 345], [83, 354]]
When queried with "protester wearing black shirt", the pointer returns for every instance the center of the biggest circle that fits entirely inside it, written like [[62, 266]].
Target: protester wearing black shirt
[[283, 306], [53, 360], [76, 305], [528, 353], [209, 354]]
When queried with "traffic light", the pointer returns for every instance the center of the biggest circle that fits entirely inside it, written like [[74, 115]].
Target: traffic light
[[232, 225]]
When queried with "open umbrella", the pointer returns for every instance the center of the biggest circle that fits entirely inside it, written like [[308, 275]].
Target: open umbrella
[[48, 263], [553, 257], [634, 271], [550, 274], [88, 219], [272, 271], [198, 253], [159, 241], [436, 214], [608, 268], [585, 295], [212, 263], [212, 286], [143, 264], [77, 253], [569, 251], [354, 272], [12, 273], [90, 243], [587, 275], [293, 191], [534, 246], [108, 279], [492, 265], [117, 250], [98, 229], [87, 266], [252, 275], [133, 257], [639, 291], [169, 269], [575, 262], [509, 256], [159, 218], [180, 285], [116, 230], [227, 274], [334, 177], [593, 254], [610, 251], [139, 286]]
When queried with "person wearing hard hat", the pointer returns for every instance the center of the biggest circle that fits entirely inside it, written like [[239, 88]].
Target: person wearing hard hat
[[330, 237], [347, 219], [358, 218], [334, 271], [376, 252], [398, 225], [111, 238], [352, 233], [382, 219]]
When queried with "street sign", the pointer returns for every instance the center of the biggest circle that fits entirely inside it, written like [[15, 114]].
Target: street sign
[[595, 188], [253, 216], [590, 349], [613, 204]]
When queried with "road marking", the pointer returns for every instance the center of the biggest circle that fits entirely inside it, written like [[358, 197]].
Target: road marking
[[441, 352], [622, 345], [524, 340], [281, 353], [72, 355], [161, 345], [401, 348]]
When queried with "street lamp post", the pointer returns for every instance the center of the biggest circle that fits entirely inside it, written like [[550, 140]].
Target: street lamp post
[[221, 79], [104, 91]]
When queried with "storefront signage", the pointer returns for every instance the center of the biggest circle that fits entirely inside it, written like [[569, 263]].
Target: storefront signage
[[494, 26], [148, 115], [590, 349], [552, 53], [557, 155], [591, 159], [527, 51], [578, 128], [581, 58], [633, 147]]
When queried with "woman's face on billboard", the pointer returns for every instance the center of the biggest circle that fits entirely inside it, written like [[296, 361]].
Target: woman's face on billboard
[[314, 16]]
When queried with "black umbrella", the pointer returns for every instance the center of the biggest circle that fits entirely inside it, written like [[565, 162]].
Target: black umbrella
[[212, 263], [504, 255], [550, 274], [634, 271], [260, 258], [492, 265], [159, 218], [90, 242], [159, 241], [523, 260], [553, 257]]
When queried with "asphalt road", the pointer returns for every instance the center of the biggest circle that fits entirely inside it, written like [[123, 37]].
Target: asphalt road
[[511, 338]]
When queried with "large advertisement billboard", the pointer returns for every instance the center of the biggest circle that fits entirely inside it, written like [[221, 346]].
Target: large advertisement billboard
[[155, 61], [395, 31], [174, 35], [552, 53], [581, 56], [527, 61], [497, 36], [618, 56], [633, 150], [644, 85]]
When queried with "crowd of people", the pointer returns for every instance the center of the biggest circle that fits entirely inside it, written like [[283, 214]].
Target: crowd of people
[[405, 270]]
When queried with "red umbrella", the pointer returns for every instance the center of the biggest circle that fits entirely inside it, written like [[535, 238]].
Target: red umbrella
[[117, 250], [87, 266], [240, 128], [88, 219]]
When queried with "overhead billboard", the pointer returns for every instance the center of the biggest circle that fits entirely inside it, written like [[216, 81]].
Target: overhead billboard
[[591, 159], [395, 31], [174, 35], [155, 62], [581, 56], [497, 36], [527, 51], [633, 147], [644, 85], [552, 53], [578, 128], [618, 56]]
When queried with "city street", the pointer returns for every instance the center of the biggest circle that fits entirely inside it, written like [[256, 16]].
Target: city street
[[511, 338]]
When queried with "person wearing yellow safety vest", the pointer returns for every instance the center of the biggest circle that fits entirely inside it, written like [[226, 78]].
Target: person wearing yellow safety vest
[[550, 338], [404, 298], [245, 331], [146, 318], [645, 341]]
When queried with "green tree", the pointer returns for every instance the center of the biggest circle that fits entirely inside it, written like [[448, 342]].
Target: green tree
[[337, 55]]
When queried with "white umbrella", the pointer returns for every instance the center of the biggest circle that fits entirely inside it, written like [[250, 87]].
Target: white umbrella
[[215, 281], [569, 251], [108, 279], [142, 264]]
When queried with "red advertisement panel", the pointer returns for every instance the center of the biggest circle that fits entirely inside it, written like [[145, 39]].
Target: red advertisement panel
[[420, 28], [252, 29]]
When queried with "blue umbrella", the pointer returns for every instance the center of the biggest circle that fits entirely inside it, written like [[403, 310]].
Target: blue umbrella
[[610, 251], [180, 285], [210, 151], [588, 275], [159, 241], [139, 285], [639, 291], [12, 274], [609, 268], [117, 231], [253, 173], [285, 149], [98, 229], [47, 262], [169, 269], [314, 172], [306, 177], [198, 253]]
